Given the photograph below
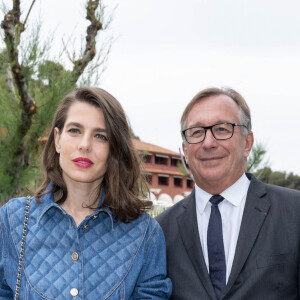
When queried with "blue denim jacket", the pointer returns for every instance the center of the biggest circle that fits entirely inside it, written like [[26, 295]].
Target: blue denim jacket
[[101, 258]]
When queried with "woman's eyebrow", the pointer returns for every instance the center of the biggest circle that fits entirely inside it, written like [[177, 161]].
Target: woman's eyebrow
[[100, 129], [81, 126], [74, 124]]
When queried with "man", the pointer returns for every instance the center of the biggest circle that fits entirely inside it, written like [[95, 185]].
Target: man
[[233, 237]]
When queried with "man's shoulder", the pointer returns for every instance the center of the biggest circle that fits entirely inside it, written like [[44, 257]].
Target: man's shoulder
[[273, 192], [170, 215], [279, 192], [281, 189]]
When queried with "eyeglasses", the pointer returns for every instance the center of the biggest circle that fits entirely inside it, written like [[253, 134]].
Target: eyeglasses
[[222, 131]]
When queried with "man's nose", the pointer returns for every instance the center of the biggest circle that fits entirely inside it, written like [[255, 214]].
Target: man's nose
[[209, 140]]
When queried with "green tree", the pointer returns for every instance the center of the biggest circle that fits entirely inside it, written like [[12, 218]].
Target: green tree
[[31, 85], [293, 181], [257, 164], [264, 174], [256, 157], [283, 179]]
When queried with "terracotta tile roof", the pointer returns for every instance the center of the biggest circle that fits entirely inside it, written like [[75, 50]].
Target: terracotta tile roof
[[142, 146], [156, 171]]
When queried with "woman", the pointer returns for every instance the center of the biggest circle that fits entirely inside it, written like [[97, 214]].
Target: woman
[[88, 235]]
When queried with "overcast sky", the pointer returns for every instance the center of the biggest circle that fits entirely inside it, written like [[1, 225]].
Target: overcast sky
[[165, 51]]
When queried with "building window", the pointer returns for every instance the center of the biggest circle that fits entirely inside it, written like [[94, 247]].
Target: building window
[[161, 159], [177, 181], [175, 161], [189, 183], [163, 179], [147, 158], [148, 178]]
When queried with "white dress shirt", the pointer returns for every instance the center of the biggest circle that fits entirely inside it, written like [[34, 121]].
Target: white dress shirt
[[231, 209]]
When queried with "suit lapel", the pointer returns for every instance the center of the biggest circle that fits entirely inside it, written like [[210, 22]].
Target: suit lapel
[[188, 229], [256, 207]]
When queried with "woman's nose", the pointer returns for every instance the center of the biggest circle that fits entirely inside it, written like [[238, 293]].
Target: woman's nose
[[85, 144]]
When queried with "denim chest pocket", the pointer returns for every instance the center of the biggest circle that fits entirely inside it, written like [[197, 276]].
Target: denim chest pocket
[[277, 259]]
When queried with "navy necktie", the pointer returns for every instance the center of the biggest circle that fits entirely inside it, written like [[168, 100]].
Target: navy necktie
[[215, 247]]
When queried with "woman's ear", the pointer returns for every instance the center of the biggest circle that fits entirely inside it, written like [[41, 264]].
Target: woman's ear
[[57, 139]]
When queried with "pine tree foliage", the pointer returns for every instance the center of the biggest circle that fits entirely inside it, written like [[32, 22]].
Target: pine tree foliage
[[256, 157], [259, 166]]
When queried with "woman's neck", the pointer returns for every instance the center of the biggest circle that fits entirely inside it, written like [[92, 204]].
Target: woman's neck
[[77, 201]]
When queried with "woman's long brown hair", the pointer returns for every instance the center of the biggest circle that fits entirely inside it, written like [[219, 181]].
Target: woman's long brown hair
[[124, 183]]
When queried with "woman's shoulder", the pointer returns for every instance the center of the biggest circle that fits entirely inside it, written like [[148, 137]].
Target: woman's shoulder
[[14, 203], [152, 226], [146, 218], [15, 207], [144, 223]]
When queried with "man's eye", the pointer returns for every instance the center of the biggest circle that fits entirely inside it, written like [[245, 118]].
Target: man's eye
[[197, 132], [222, 129], [101, 137]]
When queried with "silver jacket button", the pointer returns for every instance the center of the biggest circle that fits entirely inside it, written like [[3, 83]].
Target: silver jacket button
[[74, 292]]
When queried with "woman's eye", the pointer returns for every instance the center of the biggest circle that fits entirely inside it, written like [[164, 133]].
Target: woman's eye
[[74, 130], [101, 137]]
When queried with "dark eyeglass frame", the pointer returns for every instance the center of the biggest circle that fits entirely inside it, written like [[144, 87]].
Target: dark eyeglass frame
[[210, 128]]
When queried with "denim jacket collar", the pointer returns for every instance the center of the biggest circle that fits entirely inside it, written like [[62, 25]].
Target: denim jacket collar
[[47, 203]]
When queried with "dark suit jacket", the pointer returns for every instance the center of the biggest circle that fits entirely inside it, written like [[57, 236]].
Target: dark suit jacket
[[266, 262]]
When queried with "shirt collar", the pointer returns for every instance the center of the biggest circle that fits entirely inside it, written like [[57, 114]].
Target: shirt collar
[[234, 194], [47, 202]]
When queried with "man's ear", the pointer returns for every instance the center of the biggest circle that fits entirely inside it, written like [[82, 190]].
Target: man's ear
[[185, 153], [249, 143], [57, 140]]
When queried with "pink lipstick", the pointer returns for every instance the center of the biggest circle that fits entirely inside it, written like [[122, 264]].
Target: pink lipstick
[[83, 162]]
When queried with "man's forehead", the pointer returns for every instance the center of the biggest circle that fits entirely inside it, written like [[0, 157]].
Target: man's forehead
[[217, 109]]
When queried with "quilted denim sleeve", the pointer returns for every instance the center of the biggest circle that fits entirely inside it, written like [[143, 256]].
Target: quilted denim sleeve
[[152, 282], [5, 292]]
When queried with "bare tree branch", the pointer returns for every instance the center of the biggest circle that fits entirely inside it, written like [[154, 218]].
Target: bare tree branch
[[12, 30], [28, 12], [10, 84], [91, 33], [16, 11]]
